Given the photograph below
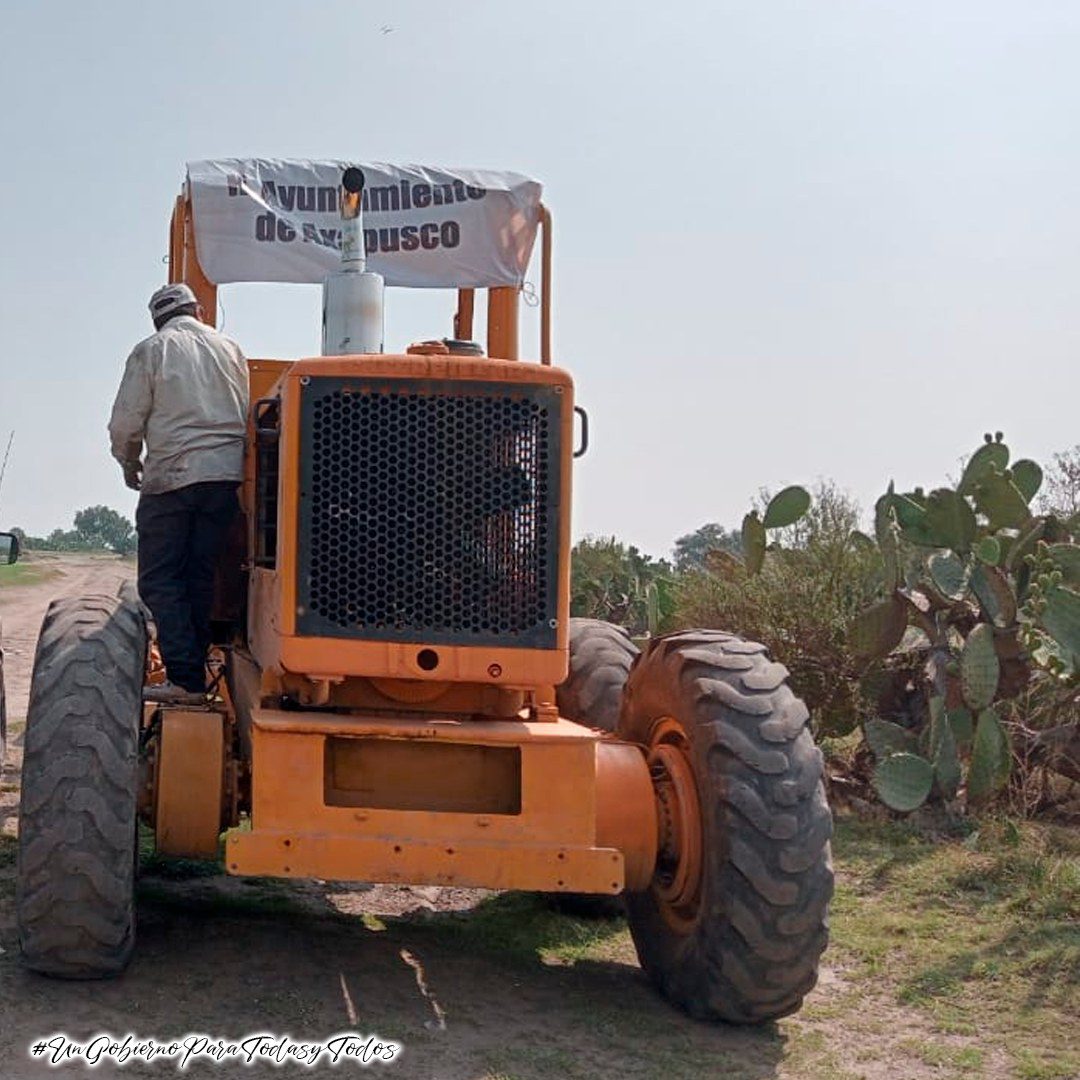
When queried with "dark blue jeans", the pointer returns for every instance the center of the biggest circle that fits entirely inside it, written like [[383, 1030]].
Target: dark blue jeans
[[181, 534]]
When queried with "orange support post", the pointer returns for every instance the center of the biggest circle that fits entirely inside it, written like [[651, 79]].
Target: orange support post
[[463, 319], [545, 285], [502, 328], [184, 261]]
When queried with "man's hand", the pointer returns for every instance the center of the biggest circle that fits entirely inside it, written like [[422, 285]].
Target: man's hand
[[133, 474]]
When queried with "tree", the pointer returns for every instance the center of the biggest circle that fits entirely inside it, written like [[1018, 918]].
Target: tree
[[1061, 490], [100, 526], [691, 549], [616, 582]]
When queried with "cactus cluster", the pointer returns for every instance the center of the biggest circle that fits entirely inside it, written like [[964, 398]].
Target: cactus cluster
[[999, 586], [995, 590]]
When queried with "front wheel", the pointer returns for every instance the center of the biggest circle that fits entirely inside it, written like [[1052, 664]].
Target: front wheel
[[75, 890], [735, 921]]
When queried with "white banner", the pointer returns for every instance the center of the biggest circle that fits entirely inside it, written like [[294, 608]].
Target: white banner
[[263, 219]]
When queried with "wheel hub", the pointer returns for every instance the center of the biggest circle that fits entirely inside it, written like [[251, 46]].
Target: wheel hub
[[677, 881]]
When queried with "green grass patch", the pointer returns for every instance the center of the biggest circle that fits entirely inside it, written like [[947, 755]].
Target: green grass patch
[[8, 846], [524, 928], [980, 933], [25, 573]]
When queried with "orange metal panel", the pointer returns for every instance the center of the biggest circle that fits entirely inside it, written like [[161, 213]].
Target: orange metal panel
[[190, 782], [422, 774], [561, 838]]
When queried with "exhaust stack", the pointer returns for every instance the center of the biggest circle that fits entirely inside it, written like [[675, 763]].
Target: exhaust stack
[[353, 295]]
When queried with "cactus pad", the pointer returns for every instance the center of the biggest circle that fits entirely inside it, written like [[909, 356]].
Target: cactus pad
[[1028, 478], [979, 668], [995, 595], [885, 738], [1061, 619], [948, 573], [1000, 500], [949, 521], [753, 542], [879, 629], [988, 549], [787, 507], [947, 762], [963, 727], [991, 760], [903, 781], [988, 457]]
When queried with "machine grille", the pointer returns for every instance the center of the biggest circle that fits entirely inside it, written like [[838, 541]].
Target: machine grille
[[429, 511]]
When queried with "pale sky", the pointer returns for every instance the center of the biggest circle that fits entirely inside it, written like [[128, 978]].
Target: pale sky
[[792, 240]]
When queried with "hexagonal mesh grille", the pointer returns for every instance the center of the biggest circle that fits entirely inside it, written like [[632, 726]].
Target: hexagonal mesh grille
[[428, 512]]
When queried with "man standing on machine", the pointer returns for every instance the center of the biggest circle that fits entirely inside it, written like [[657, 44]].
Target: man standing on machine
[[184, 397]]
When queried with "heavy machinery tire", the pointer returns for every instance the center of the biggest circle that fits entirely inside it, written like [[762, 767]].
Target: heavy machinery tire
[[3, 718], [601, 654], [736, 918], [75, 893]]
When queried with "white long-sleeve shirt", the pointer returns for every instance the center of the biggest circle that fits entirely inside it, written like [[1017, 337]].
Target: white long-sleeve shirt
[[184, 395]]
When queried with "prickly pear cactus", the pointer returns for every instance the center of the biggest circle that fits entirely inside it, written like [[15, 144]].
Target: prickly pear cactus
[[994, 589], [903, 781]]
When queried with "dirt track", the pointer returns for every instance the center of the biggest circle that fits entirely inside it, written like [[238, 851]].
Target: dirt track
[[23, 606]]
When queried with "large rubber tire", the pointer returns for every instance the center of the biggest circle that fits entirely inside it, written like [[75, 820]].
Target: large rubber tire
[[601, 655], [75, 893], [3, 716], [749, 950]]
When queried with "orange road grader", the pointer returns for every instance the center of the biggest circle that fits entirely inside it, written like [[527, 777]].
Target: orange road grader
[[403, 695]]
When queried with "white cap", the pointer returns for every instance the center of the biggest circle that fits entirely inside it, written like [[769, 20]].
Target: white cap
[[170, 297]]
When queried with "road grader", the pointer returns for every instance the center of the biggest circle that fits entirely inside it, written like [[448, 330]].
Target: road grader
[[403, 696]]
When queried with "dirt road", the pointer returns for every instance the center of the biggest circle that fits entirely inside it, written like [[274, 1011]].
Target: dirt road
[[23, 606]]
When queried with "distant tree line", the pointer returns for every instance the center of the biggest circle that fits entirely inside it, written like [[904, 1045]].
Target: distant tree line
[[97, 528]]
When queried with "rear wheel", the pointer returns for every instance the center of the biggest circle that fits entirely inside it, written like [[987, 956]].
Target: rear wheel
[[735, 920], [75, 894], [601, 655]]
